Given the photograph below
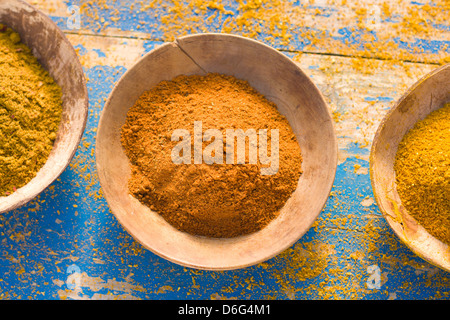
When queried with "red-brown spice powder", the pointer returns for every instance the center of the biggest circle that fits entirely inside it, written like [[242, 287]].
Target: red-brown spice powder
[[213, 200]]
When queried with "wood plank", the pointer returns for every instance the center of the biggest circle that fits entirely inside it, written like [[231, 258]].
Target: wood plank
[[414, 31]]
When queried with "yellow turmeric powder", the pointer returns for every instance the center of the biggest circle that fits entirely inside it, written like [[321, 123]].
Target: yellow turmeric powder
[[422, 168], [30, 112]]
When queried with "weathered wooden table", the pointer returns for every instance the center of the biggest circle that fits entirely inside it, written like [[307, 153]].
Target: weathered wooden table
[[362, 55]]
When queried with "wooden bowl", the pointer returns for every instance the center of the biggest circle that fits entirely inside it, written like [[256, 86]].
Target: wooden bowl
[[272, 74], [56, 54], [425, 96]]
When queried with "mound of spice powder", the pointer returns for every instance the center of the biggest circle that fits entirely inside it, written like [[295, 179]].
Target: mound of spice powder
[[30, 112], [219, 200], [422, 167]]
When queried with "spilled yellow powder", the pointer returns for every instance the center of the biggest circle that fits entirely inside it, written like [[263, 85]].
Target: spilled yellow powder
[[383, 28]]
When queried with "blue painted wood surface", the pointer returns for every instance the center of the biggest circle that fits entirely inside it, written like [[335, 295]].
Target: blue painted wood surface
[[66, 244]]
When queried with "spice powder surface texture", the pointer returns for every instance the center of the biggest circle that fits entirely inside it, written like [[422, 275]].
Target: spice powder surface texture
[[219, 200], [422, 168], [30, 113]]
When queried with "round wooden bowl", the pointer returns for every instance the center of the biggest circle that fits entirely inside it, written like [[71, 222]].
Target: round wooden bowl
[[272, 74], [425, 96], [56, 54]]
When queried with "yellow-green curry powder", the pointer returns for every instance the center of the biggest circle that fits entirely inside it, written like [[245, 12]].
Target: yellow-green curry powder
[[30, 113], [422, 168]]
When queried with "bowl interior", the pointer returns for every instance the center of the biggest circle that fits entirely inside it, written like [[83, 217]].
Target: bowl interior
[[56, 54], [427, 95], [273, 75]]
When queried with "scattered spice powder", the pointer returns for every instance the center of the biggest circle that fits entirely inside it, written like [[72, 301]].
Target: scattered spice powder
[[422, 167], [373, 25], [214, 200], [30, 112]]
